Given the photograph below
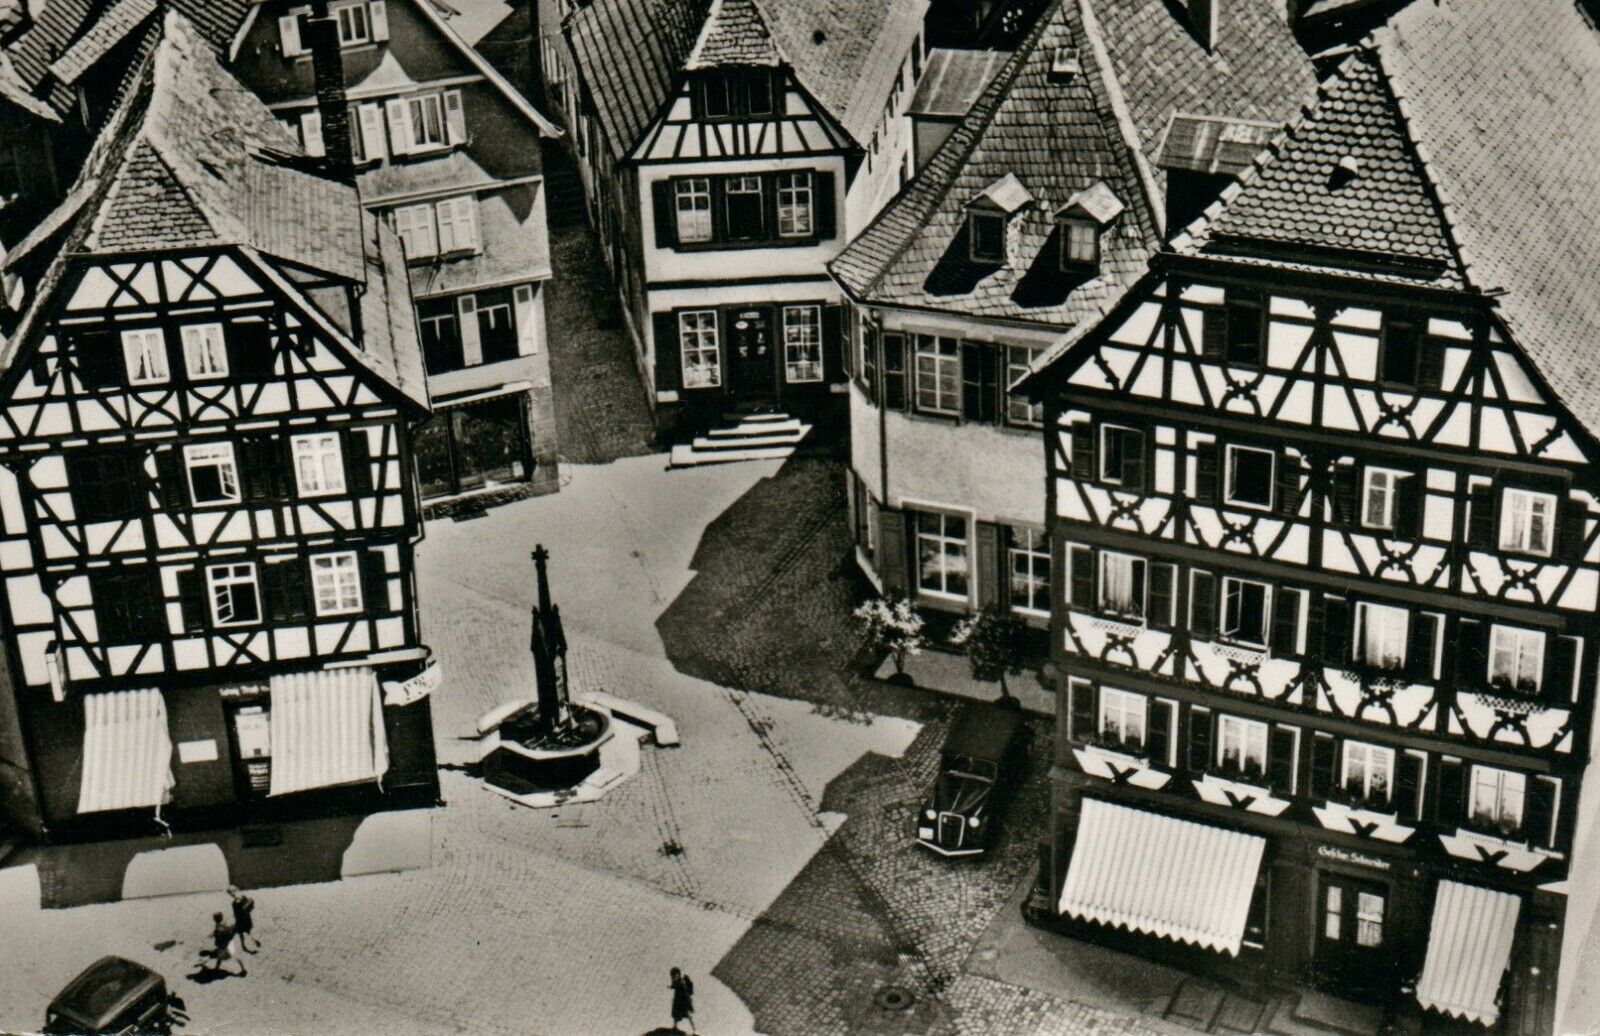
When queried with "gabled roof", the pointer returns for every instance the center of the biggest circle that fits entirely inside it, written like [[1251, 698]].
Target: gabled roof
[[120, 19], [1060, 132], [953, 80], [191, 159], [734, 33], [629, 53]]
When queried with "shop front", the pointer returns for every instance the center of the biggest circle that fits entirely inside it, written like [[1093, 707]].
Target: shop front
[[479, 444]]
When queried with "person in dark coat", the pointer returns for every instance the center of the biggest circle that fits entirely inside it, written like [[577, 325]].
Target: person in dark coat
[[222, 938], [682, 1000], [244, 924]]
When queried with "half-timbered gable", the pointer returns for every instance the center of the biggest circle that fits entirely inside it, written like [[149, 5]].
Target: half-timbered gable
[[205, 459], [1319, 493]]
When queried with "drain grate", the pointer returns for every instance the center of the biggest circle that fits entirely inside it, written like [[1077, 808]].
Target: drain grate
[[894, 998]]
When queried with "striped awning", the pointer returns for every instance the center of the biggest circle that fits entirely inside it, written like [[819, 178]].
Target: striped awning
[[326, 729], [1162, 876], [1469, 947], [127, 751]]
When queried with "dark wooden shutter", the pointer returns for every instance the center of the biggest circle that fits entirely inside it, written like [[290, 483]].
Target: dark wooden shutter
[[1336, 631], [1083, 451], [1213, 333], [1282, 758], [891, 557], [834, 368], [894, 371], [1132, 460], [1163, 578], [1472, 641], [666, 215], [288, 589], [1560, 662], [374, 582], [1158, 732], [170, 480], [1539, 818], [259, 463], [993, 375], [869, 360], [1323, 759], [669, 356], [1346, 493], [1430, 363], [973, 406], [1422, 650], [1081, 567], [249, 344], [1244, 330], [988, 574], [1207, 469], [1288, 483], [1572, 528], [1399, 352], [357, 462], [1452, 808], [827, 220], [1084, 712], [1481, 518], [1203, 604], [1408, 786], [1199, 738], [192, 600], [98, 357], [103, 484], [1408, 498], [1286, 622]]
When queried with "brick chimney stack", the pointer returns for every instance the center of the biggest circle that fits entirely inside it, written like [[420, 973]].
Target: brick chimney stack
[[327, 64]]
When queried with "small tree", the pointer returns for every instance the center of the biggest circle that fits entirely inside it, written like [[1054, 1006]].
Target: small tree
[[892, 626], [996, 642]]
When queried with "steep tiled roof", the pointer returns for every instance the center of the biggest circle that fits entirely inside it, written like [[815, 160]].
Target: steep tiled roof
[[112, 27], [191, 159], [953, 80], [734, 33], [629, 53], [1061, 132]]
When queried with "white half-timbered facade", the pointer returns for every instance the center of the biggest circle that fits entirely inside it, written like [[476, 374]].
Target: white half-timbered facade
[[1320, 491], [207, 511]]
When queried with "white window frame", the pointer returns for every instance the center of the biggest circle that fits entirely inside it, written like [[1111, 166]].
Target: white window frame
[[219, 577], [937, 375], [336, 583], [318, 463], [1111, 475], [1389, 623], [1248, 735], [700, 348], [145, 349], [1233, 583], [942, 538], [1228, 478], [205, 351], [1379, 486], [1020, 411], [691, 201], [1126, 710], [796, 205], [1502, 784], [418, 108], [1521, 647], [1080, 243], [1375, 765], [353, 39], [412, 220], [1032, 553], [1519, 509], [802, 344], [220, 454], [1138, 579]]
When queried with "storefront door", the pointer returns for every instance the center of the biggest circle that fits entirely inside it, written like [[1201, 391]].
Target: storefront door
[[472, 446], [751, 354], [1353, 937]]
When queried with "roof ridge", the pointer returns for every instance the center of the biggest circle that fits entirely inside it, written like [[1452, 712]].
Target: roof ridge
[[1154, 196]]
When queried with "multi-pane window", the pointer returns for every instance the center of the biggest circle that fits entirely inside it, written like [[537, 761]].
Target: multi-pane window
[[213, 476], [942, 560], [1378, 498], [1029, 555], [1242, 745], [1117, 446], [204, 355], [1122, 585], [439, 328], [1019, 410], [427, 120], [1516, 658], [336, 583], [1122, 718], [938, 373], [1497, 798], [145, 353], [1381, 635], [497, 325], [743, 206], [794, 205], [1369, 919], [986, 237], [1249, 476], [353, 24], [235, 595], [802, 343], [318, 463], [1368, 772], [1527, 521], [697, 338], [1244, 611], [1080, 244], [692, 197], [414, 224]]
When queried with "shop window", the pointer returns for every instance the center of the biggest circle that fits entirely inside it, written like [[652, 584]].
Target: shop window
[[938, 375], [802, 343], [1250, 476], [1527, 522], [318, 464], [1122, 585], [1497, 799], [697, 341], [794, 205], [336, 583], [472, 446], [1122, 719], [497, 325], [441, 335], [943, 564], [144, 351], [1381, 635], [252, 733], [743, 207], [1516, 659], [1244, 611], [1019, 409], [1028, 551], [204, 355], [692, 199], [1242, 746], [213, 475], [1368, 774], [235, 594]]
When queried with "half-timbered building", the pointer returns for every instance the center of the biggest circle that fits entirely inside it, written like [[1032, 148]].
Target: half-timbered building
[[448, 151], [1322, 493], [207, 514], [1039, 206], [729, 149]]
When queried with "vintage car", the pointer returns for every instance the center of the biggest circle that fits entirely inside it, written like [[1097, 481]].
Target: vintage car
[[984, 759], [114, 996]]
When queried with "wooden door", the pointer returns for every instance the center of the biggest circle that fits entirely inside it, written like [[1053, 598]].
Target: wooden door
[[752, 354], [1354, 938]]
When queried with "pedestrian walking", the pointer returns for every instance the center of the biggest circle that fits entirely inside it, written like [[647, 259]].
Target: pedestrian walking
[[244, 924], [222, 942], [682, 1000]]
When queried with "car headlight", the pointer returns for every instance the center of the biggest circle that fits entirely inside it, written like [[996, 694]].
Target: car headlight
[[929, 814], [973, 821]]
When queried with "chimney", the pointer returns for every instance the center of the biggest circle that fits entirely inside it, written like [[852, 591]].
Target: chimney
[[1203, 21], [327, 65]]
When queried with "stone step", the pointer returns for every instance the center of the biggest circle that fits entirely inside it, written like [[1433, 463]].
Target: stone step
[[688, 456], [738, 418], [744, 442], [746, 428]]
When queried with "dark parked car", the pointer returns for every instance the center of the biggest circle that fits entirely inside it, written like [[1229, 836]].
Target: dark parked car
[[114, 996], [984, 759]]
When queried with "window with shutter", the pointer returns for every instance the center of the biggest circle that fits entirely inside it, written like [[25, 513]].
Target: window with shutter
[[103, 485], [1481, 518], [1199, 739], [1163, 595], [1083, 450], [1411, 784], [1245, 327], [1399, 352], [213, 474], [1207, 472], [1080, 570], [1163, 723], [289, 35], [1287, 608], [1283, 759], [369, 120], [378, 14], [144, 353], [894, 371], [311, 133], [528, 323], [1250, 476], [1324, 759], [1202, 604], [458, 224], [401, 139], [1451, 808], [336, 583], [1423, 651], [1083, 709], [455, 117], [1336, 631]]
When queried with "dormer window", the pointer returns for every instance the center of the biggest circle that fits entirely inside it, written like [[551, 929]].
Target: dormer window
[[736, 93], [986, 232], [1080, 245], [989, 217], [1080, 223]]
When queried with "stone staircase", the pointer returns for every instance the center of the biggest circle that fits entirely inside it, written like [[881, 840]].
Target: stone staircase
[[564, 203], [748, 437]]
